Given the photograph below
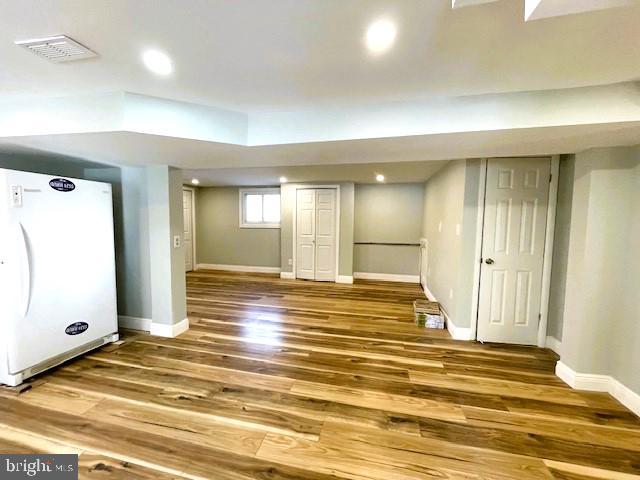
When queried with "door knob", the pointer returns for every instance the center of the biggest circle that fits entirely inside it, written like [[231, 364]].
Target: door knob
[[489, 261]]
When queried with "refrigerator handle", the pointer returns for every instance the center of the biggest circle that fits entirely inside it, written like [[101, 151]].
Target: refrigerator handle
[[25, 271]]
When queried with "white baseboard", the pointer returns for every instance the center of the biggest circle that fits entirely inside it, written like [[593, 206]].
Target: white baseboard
[[344, 279], [387, 277], [134, 323], [457, 333], [237, 268], [599, 383], [554, 344], [339, 278], [625, 396], [428, 294], [170, 331]]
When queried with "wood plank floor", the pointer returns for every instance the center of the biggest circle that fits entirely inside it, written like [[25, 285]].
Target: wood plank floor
[[281, 379]]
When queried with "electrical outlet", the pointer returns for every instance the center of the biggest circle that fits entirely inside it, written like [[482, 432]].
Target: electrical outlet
[[457, 229], [176, 241], [290, 261]]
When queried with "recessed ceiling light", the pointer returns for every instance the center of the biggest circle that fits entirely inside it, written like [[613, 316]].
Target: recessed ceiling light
[[380, 177], [195, 181], [380, 36], [283, 179], [158, 62]]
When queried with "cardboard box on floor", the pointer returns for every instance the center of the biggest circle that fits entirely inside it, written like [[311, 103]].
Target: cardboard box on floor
[[428, 314]]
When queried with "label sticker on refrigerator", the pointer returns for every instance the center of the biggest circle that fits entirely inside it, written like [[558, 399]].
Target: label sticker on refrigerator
[[76, 328], [62, 185]]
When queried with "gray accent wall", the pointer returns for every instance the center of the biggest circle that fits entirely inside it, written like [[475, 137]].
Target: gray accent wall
[[135, 264], [164, 196], [46, 165], [561, 247], [388, 214], [219, 238], [449, 226], [601, 327]]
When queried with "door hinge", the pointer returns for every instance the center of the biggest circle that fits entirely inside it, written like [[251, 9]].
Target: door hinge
[[539, 316], [550, 177]]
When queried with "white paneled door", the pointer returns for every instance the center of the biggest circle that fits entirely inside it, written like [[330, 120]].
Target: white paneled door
[[316, 234], [187, 238], [516, 201]]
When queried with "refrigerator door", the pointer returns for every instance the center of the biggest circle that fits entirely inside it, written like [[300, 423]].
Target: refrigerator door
[[61, 266]]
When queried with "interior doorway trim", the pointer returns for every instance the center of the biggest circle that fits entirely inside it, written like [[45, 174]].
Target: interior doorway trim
[[475, 295], [295, 225], [193, 223], [548, 251], [547, 257]]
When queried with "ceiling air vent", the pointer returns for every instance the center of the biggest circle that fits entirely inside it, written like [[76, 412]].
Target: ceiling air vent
[[57, 49]]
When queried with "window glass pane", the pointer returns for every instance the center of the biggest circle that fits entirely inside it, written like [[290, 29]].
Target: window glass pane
[[271, 212], [253, 208]]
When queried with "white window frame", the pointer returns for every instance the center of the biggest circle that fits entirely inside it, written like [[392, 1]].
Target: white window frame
[[242, 193]]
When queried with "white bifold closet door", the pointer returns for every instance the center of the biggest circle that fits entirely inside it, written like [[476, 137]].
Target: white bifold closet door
[[316, 234]]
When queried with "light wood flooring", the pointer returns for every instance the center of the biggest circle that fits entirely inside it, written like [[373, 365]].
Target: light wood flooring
[[280, 379]]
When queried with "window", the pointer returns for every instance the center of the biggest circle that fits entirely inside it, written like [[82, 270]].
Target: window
[[260, 208]]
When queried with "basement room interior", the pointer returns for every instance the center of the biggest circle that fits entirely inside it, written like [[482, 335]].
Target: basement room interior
[[320, 239]]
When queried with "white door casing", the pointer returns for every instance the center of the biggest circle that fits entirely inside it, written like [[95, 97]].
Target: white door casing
[[187, 238], [316, 234], [516, 200], [424, 261], [305, 234]]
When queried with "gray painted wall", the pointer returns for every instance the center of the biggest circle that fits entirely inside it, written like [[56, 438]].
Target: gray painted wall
[[46, 165], [443, 205], [601, 331], [176, 220], [219, 238], [561, 247], [388, 214], [288, 202], [164, 197], [448, 202]]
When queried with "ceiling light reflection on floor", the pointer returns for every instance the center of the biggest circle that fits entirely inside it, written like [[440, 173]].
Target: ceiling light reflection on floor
[[264, 333]]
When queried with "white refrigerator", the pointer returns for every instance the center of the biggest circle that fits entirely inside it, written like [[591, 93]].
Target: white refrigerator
[[57, 271]]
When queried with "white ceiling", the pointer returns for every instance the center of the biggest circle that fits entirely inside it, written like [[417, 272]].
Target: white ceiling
[[255, 55]]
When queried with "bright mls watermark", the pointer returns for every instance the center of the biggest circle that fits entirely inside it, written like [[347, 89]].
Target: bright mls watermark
[[52, 467]]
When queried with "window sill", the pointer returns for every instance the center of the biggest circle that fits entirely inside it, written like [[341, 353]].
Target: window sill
[[259, 225]]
